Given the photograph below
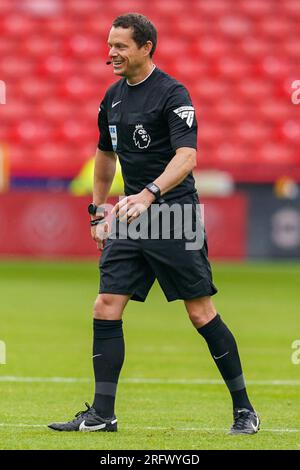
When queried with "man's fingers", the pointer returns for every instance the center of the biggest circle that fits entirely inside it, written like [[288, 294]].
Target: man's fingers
[[118, 206]]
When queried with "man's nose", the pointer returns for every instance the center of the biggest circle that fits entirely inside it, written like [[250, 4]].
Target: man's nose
[[112, 52]]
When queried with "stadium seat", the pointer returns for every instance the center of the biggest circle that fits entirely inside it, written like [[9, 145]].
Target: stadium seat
[[213, 8], [276, 153], [211, 47], [290, 130], [38, 46], [84, 8], [12, 66], [253, 130], [230, 110], [233, 68], [210, 132], [235, 26], [276, 27], [32, 131], [256, 8], [275, 110], [56, 66], [17, 25], [33, 88]]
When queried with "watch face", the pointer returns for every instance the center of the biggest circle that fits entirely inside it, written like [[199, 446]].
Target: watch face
[[92, 209], [154, 188]]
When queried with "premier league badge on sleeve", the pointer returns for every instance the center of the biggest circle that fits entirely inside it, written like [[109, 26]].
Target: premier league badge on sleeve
[[141, 137], [114, 137]]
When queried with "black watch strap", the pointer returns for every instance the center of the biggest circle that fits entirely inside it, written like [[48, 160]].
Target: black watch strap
[[93, 209], [154, 189]]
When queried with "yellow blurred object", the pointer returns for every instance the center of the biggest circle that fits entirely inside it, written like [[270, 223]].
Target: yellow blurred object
[[286, 188], [82, 184], [4, 168]]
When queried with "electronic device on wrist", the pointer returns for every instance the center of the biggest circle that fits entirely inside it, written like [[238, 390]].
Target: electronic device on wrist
[[154, 189], [95, 210]]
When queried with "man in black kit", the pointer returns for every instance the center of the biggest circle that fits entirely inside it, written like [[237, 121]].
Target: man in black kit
[[147, 118]]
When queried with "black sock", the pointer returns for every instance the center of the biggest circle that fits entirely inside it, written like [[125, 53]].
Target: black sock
[[108, 358], [223, 349]]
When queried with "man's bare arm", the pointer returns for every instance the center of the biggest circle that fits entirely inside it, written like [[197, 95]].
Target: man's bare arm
[[175, 172], [177, 169], [104, 172]]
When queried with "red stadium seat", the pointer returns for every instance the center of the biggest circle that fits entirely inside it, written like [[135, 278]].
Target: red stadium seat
[[254, 130], [276, 153], [170, 9], [275, 26], [55, 109], [275, 110], [191, 27], [83, 45], [78, 88], [12, 66], [56, 66], [233, 68], [32, 131], [256, 8], [292, 47], [84, 8], [291, 8], [211, 47], [255, 47], [255, 89], [59, 26], [210, 90], [213, 8], [6, 7], [16, 24], [76, 132], [275, 67], [14, 109], [230, 152], [33, 88], [37, 46], [290, 131], [235, 26]]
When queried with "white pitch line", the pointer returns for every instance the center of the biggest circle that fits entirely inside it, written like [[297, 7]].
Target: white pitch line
[[155, 428], [158, 381]]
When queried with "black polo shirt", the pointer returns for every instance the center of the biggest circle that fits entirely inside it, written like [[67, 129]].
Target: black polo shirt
[[145, 124]]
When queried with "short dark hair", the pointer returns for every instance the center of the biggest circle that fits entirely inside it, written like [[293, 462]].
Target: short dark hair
[[143, 29]]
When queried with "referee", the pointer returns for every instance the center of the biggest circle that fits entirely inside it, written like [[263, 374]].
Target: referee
[[148, 120]]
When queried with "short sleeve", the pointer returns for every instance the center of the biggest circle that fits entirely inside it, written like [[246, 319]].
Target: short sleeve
[[104, 143], [180, 115]]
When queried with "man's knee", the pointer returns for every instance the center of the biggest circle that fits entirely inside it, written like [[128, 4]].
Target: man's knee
[[109, 306], [200, 311]]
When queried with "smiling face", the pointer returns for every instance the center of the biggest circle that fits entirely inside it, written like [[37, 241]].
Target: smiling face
[[127, 58]]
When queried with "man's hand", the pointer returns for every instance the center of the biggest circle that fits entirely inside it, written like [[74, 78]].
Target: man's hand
[[100, 233], [130, 207]]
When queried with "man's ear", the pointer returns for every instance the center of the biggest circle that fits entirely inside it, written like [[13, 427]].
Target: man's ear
[[148, 47]]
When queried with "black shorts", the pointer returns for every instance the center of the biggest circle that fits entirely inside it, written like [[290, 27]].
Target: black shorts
[[130, 266]]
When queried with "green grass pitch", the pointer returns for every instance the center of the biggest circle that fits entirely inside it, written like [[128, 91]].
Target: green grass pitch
[[170, 395]]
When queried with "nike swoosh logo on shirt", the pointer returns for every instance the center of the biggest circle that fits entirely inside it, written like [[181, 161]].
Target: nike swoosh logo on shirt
[[219, 357], [115, 104]]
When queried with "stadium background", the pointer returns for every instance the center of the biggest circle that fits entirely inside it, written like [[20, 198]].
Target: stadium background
[[239, 60]]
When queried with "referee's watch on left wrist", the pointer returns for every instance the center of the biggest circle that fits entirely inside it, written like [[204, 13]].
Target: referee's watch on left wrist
[[96, 211]]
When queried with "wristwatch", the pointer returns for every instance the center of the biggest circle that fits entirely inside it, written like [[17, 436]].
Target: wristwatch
[[93, 209], [154, 189]]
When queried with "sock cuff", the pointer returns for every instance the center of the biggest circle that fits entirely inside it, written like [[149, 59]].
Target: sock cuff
[[210, 327], [106, 329]]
